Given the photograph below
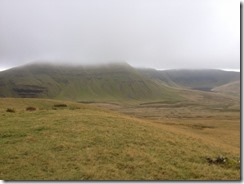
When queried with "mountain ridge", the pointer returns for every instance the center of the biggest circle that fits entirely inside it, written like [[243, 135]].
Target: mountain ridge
[[106, 82], [200, 79]]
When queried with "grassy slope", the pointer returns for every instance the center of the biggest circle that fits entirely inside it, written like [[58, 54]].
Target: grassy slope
[[232, 88], [85, 142], [115, 82], [195, 79]]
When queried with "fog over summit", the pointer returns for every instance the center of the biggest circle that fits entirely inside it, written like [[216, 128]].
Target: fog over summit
[[157, 33]]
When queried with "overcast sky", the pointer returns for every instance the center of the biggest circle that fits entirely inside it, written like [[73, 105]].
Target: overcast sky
[[159, 34]]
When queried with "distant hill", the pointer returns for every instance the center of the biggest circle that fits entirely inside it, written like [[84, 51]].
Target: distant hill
[[204, 80], [232, 88], [82, 83]]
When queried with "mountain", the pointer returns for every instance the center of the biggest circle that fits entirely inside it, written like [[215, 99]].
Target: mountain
[[203, 80], [111, 82], [108, 82]]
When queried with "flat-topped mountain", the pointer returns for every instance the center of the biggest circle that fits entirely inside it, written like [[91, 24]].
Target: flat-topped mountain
[[117, 81]]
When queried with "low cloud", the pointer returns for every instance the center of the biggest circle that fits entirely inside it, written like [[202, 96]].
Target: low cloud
[[144, 33]]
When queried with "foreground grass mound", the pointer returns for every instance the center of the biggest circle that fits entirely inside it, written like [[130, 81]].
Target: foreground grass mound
[[82, 142]]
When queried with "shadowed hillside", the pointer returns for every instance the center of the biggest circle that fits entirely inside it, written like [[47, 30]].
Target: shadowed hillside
[[204, 80]]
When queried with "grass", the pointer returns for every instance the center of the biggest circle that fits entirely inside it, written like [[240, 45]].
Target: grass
[[216, 124], [85, 142], [232, 88]]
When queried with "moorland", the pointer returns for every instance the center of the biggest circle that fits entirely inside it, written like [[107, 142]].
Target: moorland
[[116, 122]]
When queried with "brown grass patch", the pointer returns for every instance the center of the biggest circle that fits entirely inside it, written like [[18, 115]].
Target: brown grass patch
[[10, 110], [30, 109]]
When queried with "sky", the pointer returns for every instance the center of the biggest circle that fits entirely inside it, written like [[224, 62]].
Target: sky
[[161, 34]]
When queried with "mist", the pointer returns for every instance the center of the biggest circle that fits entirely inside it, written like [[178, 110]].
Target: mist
[[158, 34]]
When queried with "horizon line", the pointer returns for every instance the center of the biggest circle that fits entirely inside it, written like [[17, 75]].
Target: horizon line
[[228, 70], [159, 69]]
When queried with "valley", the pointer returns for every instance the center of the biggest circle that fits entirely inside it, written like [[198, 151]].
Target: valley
[[117, 123]]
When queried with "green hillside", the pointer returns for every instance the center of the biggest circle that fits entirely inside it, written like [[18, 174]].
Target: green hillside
[[113, 82], [203, 80], [117, 82]]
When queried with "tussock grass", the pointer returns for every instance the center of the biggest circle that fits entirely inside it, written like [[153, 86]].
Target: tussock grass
[[91, 143], [30, 108], [10, 110], [59, 105]]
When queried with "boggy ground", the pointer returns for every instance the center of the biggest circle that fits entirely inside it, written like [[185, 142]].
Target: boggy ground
[[158, 141]]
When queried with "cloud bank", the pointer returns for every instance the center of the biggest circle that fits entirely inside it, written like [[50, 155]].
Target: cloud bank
[[144, 33]]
